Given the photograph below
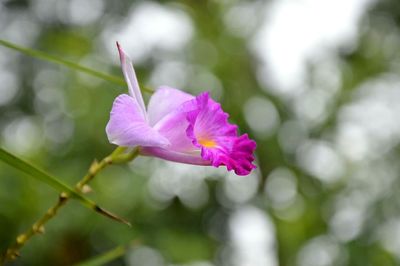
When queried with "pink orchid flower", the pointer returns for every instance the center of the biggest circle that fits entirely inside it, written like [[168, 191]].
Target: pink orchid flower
[[177, 127]]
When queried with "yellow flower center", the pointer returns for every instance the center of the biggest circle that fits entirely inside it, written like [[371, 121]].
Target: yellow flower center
[[209, 143]]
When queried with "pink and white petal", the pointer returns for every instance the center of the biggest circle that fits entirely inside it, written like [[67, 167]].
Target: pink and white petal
[[131, 80], [127, 126], [173, 127], [165, 100], [174, 156]]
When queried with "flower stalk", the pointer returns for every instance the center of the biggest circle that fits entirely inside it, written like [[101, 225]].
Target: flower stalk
[[118, 156]]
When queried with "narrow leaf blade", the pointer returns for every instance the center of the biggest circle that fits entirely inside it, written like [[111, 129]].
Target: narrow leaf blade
[[42, 176], [51, 58], [55, 183]]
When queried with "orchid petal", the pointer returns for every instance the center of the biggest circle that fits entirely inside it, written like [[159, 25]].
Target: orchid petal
[[173, 127], [174, 156], [131, 81], [209, 120], [236, 153], [164, 101], [210, 130], [127, 126]]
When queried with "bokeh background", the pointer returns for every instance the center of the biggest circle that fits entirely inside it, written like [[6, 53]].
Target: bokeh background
[[315, 82]]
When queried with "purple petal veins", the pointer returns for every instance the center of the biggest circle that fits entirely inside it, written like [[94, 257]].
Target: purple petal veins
[[178, 127], [210, 130]]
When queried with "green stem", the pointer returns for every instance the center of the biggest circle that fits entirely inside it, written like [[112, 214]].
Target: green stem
[[69, 64], [118, 156], [107, 257]]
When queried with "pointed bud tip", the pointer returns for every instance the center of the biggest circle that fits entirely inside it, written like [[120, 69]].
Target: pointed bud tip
[[121, 52], [111, 215]]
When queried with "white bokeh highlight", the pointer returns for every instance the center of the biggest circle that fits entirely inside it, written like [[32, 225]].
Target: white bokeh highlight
[[150, 27], [252, 238]]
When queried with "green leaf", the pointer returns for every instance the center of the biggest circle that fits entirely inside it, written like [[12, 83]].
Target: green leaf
[[50, 58], [103, 259], [40, 175], [55, 183]]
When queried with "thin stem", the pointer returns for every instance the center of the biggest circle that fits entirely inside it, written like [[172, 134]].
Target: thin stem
[[96, 167], [109, 256], [105, 258], [69, 64], [117, 156]]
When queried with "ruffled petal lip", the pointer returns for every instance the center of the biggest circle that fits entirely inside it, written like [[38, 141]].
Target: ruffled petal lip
[[218, 140], [237, 155]]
